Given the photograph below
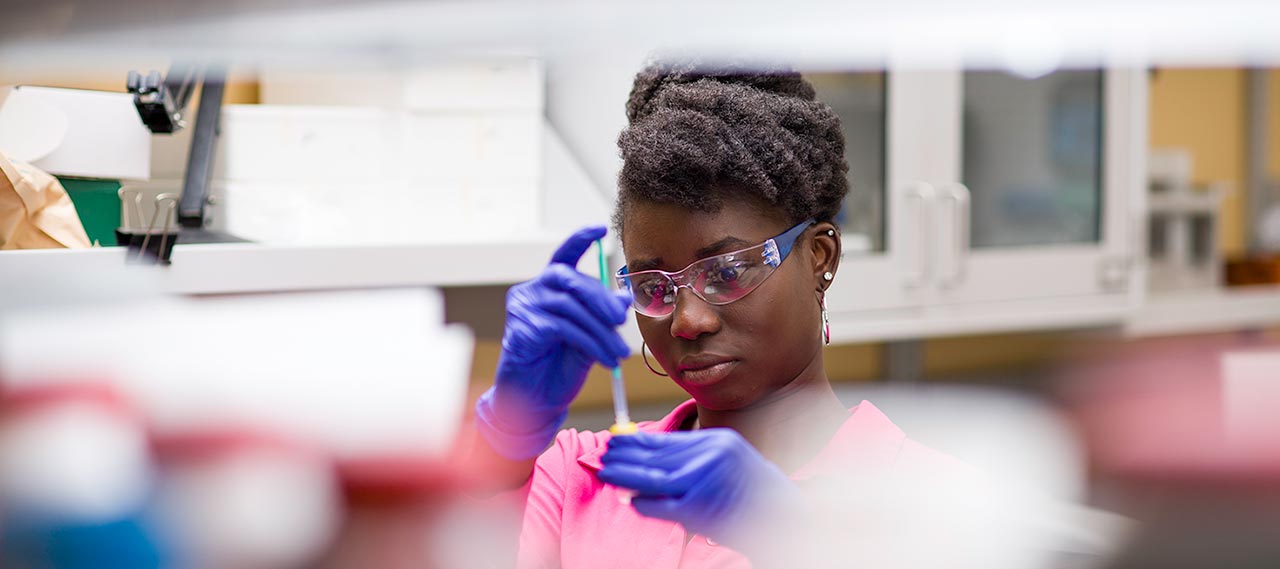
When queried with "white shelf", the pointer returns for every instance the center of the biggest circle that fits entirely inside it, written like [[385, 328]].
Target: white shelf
[[250, 268], [980, 318], [246, 267], [1159, 314], [1216, 310]]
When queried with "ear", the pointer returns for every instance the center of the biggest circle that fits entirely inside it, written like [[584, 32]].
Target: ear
[[825, 249]]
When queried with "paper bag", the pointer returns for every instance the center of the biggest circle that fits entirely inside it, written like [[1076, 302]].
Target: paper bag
[[35, 210]]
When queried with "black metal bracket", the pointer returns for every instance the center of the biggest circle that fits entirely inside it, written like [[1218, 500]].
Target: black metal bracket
[[162, 101], [204, 145], [161, 104]]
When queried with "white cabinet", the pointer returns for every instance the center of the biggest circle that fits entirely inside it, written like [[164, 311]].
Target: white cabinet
[[971, 189]]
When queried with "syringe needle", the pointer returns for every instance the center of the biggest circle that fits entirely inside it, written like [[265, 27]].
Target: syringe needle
[[622, 423], [621, 415]]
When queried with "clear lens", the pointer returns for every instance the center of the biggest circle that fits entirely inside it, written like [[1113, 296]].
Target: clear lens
[[727, 278], [653, 294], [718, 280]]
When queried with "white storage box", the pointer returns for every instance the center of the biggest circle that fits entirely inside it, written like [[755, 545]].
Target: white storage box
[[345, 175], [75, 132]]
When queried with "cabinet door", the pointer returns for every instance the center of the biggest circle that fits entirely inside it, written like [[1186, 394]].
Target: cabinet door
[[889, 223], [1040, 206]]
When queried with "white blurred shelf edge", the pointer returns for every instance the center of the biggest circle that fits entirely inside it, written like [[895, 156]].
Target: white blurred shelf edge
[[1208, 311], [1158, 314], [979, 318], [841, 32], [246, 268]]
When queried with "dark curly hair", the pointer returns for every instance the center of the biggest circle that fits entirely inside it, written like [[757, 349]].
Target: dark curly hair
[[699, 135]]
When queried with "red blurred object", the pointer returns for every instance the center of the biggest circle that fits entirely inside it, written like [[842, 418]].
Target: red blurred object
[[16, 401], [393, 478], [212, 442], [1157, 411], [1165, 452]]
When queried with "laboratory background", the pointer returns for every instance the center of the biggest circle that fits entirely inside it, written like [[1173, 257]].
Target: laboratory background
[[256, 258]]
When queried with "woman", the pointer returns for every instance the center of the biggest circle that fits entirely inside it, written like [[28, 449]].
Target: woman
[[727, 195]]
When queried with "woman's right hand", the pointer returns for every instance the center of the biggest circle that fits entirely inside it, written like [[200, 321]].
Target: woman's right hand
[[557, 326]]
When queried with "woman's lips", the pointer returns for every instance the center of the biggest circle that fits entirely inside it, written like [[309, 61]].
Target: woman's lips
[[705, 369]]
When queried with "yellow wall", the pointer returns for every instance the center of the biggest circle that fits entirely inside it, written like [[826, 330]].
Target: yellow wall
[[1203, 110]]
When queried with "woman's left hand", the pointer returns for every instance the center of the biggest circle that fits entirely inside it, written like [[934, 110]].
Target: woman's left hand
[[712, 481]]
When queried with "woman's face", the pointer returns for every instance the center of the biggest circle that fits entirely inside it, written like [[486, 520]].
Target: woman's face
[[735, 355]]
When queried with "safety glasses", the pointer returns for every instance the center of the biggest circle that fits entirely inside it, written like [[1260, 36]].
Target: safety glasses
[[717, 280]]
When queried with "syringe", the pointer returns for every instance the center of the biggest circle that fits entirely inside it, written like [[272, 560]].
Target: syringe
[[622, 423]]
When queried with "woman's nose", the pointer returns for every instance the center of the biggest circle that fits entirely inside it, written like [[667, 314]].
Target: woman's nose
[[692, 316]]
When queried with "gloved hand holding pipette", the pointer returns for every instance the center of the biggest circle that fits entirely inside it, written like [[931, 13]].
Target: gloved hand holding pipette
[[712, 481], [558, 325]]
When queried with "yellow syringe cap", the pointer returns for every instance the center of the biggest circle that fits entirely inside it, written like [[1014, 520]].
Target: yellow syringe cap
[[623, 428]]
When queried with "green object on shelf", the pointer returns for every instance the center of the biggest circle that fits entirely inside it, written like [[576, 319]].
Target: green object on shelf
[[98, 205]]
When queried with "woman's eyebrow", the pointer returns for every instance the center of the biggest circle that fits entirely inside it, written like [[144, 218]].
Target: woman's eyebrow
[[720, 246], [712, 249], [645, 265]]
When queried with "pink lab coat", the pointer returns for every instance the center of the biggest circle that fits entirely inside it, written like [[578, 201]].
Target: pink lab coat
[[572, 520]]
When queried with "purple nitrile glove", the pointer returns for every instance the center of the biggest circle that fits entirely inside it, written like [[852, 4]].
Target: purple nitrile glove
[[712, 481], [557, 326]]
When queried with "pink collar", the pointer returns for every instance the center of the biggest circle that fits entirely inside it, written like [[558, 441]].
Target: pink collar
[[867, 437]]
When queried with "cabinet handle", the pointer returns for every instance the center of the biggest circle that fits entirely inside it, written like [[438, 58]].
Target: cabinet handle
[[959, 194], [922, 195]]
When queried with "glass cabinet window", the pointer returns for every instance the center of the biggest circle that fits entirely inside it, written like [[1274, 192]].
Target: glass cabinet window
[[1033, 158], [858, 98]]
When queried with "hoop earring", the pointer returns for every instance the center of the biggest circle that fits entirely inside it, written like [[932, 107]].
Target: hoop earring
[[826, 322], [643, 347]]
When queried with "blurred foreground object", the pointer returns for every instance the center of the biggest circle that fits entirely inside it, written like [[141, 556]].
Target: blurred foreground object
[[239, 500], [223, 432], [35, 210], [1029, 36], [74, 480], [357, 374], [1025, 504], [1183, 437]]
